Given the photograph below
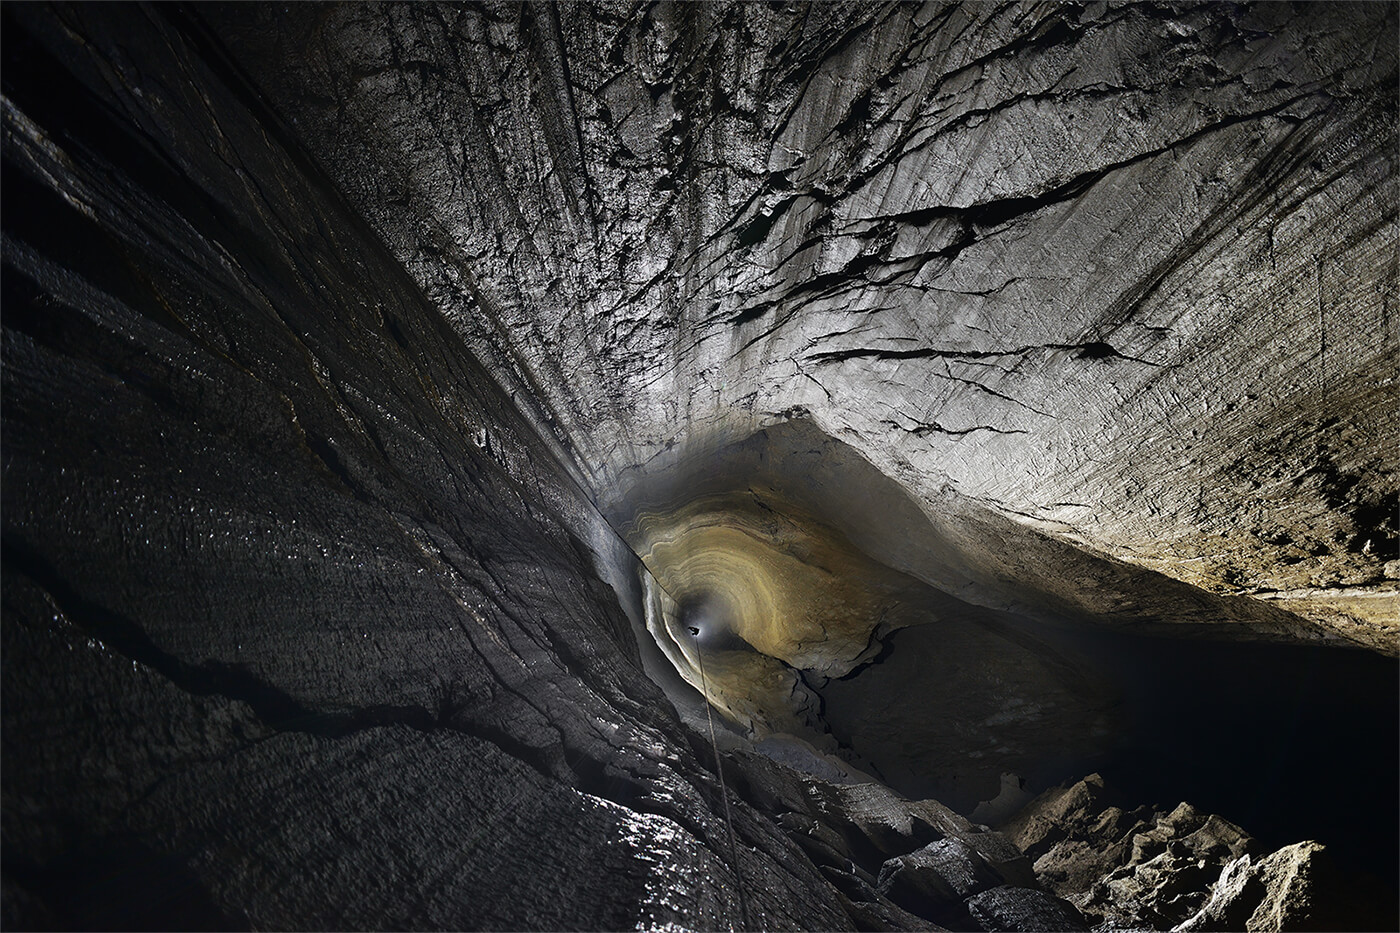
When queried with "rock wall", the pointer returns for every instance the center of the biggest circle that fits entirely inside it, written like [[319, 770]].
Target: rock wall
[[1124, 273], [303, 625], [340, 342]]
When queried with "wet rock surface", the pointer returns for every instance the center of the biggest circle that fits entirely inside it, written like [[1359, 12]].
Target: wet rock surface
[[345, 349]]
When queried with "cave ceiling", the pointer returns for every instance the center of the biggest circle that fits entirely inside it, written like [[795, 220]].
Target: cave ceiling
[[1125, 275], [437, 436]]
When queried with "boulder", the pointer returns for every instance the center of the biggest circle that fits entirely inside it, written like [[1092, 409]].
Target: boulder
[[1296, 888], [1011, 908]]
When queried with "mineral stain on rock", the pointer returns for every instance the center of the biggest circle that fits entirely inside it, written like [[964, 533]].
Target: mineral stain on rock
[[417, 418]]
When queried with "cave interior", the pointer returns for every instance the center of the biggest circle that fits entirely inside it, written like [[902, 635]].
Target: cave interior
[[532, 466]]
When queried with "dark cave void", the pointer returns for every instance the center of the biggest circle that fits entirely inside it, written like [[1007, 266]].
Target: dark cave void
[[967, 676], [1291, 742]]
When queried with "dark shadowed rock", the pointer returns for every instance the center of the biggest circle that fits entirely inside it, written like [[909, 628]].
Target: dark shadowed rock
[[418, 418], [1012, 908]]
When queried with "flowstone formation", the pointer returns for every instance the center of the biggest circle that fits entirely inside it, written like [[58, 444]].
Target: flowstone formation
[[418, 417]]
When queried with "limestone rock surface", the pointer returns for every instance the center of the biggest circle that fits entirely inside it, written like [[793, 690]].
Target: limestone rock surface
[[1182, 870], [371, 372], [1123, 274], [304, 626], [1279, 892]]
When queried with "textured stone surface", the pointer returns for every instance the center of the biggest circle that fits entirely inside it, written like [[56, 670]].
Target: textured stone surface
[[1127, 869], [937, 879], [345, 348], [1120, 273], [1008, 908], [303, 625], [1295, 888], [1183, 869]]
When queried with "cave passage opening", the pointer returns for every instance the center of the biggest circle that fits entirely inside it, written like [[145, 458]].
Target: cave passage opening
[[846, 627]]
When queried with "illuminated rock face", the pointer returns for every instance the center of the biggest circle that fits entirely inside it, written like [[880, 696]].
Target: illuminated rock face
[[783, 564], [1125, 275], [389, 389]]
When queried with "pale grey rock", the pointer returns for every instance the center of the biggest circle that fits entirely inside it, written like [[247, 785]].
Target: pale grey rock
[[1286, 890], [1126, 869], [1119, 274], [1183, 870]]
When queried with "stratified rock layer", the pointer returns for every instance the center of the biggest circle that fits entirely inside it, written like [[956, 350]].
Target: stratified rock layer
[[341, 345], [1123, 273], [303, 625]]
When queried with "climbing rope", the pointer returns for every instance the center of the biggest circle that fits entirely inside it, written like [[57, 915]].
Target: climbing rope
[[723, 790]]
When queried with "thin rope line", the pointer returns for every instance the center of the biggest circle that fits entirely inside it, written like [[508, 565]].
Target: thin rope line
[[723, 790]]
